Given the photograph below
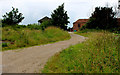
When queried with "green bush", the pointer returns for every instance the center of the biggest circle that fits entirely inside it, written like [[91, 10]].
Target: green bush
[[24, 37], [42, 26], [99, 54], [34, 26], [4, 44], [45, 24]]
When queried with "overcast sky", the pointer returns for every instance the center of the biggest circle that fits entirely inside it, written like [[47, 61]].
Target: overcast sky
[[33, 10]]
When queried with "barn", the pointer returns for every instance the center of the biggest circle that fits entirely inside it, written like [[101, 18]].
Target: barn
[[79, 23]]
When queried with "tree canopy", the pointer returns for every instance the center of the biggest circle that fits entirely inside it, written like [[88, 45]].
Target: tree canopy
[[13, 17], [102, 18], [59, 17]]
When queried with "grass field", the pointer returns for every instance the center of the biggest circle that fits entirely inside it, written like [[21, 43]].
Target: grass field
[[24, 37], [98, 54]]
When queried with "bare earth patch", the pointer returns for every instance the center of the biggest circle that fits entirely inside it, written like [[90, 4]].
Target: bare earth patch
[[33, 59]]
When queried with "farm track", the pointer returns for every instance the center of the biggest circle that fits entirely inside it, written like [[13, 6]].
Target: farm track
[[33, 59]]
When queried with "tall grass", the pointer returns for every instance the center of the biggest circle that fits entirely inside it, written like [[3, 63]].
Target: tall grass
[[0, 35], [99, 54], [23, 37]]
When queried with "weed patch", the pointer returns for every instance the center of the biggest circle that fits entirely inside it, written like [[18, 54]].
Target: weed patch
[[25, 37], [99, 54]]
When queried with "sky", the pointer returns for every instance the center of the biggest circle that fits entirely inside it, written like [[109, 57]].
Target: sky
[[33, 10]]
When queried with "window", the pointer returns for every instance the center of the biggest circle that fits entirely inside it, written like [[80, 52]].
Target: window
[[78, 25]]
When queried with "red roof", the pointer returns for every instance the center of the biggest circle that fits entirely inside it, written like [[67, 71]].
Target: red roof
[[81, 20]]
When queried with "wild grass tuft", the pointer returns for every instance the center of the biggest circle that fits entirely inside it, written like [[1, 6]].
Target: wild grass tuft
[[99, 54], [23, 37]]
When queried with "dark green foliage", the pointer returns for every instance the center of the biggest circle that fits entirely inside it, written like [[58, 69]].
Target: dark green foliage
[[20, 26], [12, 18], [60, 17], [4, 44], [42, 26], [102, 18], [98, 54], [13, 37], [45, 24], [34, 26]]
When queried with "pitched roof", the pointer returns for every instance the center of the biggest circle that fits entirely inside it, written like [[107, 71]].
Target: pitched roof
[[81, 20], [44, 19]]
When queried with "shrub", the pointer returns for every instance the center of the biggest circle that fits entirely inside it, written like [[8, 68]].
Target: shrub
[[45, 24], [4, 44], [24, 37], [99, 54], [34, 26]]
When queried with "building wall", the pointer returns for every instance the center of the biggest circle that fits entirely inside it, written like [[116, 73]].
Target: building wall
[[75, 27], [79, 22], [83, 22]]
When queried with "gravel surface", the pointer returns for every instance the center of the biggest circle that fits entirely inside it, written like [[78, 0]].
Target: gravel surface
[[33, 59]]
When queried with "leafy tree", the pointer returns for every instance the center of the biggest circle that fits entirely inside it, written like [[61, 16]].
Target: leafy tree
[[13, 17], [60, 17], [102, 18], [45, 24]]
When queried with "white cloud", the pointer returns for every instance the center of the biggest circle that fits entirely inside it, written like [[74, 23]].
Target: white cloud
[[33, 10]]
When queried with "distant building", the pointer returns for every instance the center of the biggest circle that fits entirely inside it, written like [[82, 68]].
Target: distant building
[[78, 24], [44, 19]]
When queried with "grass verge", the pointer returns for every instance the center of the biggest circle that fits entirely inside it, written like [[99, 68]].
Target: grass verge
[[13, 38], [99, 54]]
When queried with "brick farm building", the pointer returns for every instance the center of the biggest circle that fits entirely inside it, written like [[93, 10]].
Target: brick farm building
[[78, 24]]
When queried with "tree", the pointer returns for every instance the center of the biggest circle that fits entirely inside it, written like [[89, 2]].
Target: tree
[[59, 17], [13, 17], [102, 18], [45, 24]]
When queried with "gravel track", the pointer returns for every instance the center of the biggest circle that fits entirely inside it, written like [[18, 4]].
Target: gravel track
[[33, 59]]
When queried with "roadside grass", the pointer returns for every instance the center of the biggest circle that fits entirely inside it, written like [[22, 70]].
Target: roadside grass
[[98, 54], [24, 37], [0, 38], [88, 32]]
